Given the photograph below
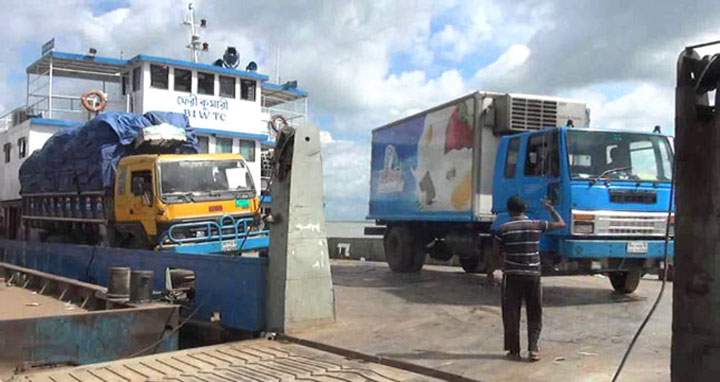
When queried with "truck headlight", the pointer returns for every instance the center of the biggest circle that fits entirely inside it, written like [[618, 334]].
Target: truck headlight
[[584, 227]]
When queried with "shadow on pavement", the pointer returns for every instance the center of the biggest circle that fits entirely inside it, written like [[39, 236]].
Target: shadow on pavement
[[437, 355], [458, 288]]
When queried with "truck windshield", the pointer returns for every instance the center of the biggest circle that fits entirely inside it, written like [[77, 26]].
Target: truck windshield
[[621, 156], [205, 178]]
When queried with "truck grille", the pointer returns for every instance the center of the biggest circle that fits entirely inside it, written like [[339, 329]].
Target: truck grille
[[633, 196], [631, 225], [532, 114]]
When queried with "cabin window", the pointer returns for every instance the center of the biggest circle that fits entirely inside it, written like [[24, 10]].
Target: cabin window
[[183, 80], [553, 154], [543, 157], [6, 151], [247, 150], [22, 147], [136, 75], [512, 157], [159, 76], [247, 90], [223, 145], [204, 144], [644, 155], [141, 182], [227, 87], [206, 83]]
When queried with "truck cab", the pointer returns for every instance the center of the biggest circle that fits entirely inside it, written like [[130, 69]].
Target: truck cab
[[613, 188], [186, 203]]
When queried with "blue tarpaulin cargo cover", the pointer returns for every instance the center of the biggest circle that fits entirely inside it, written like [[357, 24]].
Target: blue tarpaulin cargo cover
[[85, 158]]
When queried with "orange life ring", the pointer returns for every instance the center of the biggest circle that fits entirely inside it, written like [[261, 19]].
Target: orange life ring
[[94, 100]]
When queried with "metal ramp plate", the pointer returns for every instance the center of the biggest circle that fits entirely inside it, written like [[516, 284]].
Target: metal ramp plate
[[257, 360]]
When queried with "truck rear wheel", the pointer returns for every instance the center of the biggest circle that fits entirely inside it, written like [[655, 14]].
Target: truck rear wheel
[[402, 251], [625, 282], [472, 265], [417, 256]]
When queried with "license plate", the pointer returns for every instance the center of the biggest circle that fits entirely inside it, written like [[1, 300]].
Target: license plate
[[637, 247], [229, 245]]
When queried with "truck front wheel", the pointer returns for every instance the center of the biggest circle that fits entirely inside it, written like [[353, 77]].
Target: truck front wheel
[[403, 253], [625, 282]]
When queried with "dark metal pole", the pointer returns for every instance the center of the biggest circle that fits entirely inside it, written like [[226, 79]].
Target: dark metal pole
[[696, 293]]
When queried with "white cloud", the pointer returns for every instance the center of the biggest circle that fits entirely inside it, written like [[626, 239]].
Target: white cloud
[[505, 68], [470, 26], [325, 138], [346, 170], [641, 108]]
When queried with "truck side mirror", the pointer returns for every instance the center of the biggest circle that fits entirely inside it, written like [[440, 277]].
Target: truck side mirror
[[554, 193]]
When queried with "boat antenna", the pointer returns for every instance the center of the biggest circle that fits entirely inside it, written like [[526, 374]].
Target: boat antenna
[[195, 45]]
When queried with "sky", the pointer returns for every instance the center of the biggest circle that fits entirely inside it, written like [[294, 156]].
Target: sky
[[367, 63]]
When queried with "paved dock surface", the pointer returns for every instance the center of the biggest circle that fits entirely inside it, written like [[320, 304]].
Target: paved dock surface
[[446, 319]]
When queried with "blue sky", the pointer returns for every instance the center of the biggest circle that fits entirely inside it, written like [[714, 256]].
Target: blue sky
[[104, 6], [365, 64]]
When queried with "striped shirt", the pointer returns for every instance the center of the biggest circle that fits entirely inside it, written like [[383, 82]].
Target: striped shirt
[[520, 239]]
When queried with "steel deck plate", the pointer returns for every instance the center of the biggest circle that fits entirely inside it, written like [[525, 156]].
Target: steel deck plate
[[257, 360]]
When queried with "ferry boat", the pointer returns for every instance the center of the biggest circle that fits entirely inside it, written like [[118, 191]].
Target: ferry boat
[[229, 108]]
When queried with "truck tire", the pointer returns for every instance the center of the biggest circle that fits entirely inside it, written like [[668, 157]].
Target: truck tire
[[402, 252], [625, 282], [418, 255], [472, 265]]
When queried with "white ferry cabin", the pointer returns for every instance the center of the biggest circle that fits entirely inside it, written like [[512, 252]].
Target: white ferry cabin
[[228, 108]]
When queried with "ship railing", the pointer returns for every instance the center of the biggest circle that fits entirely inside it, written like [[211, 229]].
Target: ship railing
[[69, 107], [6, 121]]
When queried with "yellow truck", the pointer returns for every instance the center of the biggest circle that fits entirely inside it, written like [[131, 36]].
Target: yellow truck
[[196, 203]]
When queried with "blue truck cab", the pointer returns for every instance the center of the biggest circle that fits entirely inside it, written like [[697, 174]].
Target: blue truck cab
[[612, 188], [440, 180]]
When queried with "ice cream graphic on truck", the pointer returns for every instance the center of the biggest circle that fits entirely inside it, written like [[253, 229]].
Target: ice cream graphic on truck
[[444, 159], [391, 177]]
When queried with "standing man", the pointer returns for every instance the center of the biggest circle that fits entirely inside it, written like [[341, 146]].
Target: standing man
[[519, 251]]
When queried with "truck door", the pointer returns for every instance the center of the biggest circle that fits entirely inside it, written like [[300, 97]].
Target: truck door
[[141, 201], [508, 173], [541, 173]]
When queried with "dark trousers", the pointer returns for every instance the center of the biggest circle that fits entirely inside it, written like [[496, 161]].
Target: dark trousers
[[515, 289]]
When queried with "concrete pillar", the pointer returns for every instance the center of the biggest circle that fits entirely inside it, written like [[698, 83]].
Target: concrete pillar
[[696, 293], [300, 290]]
